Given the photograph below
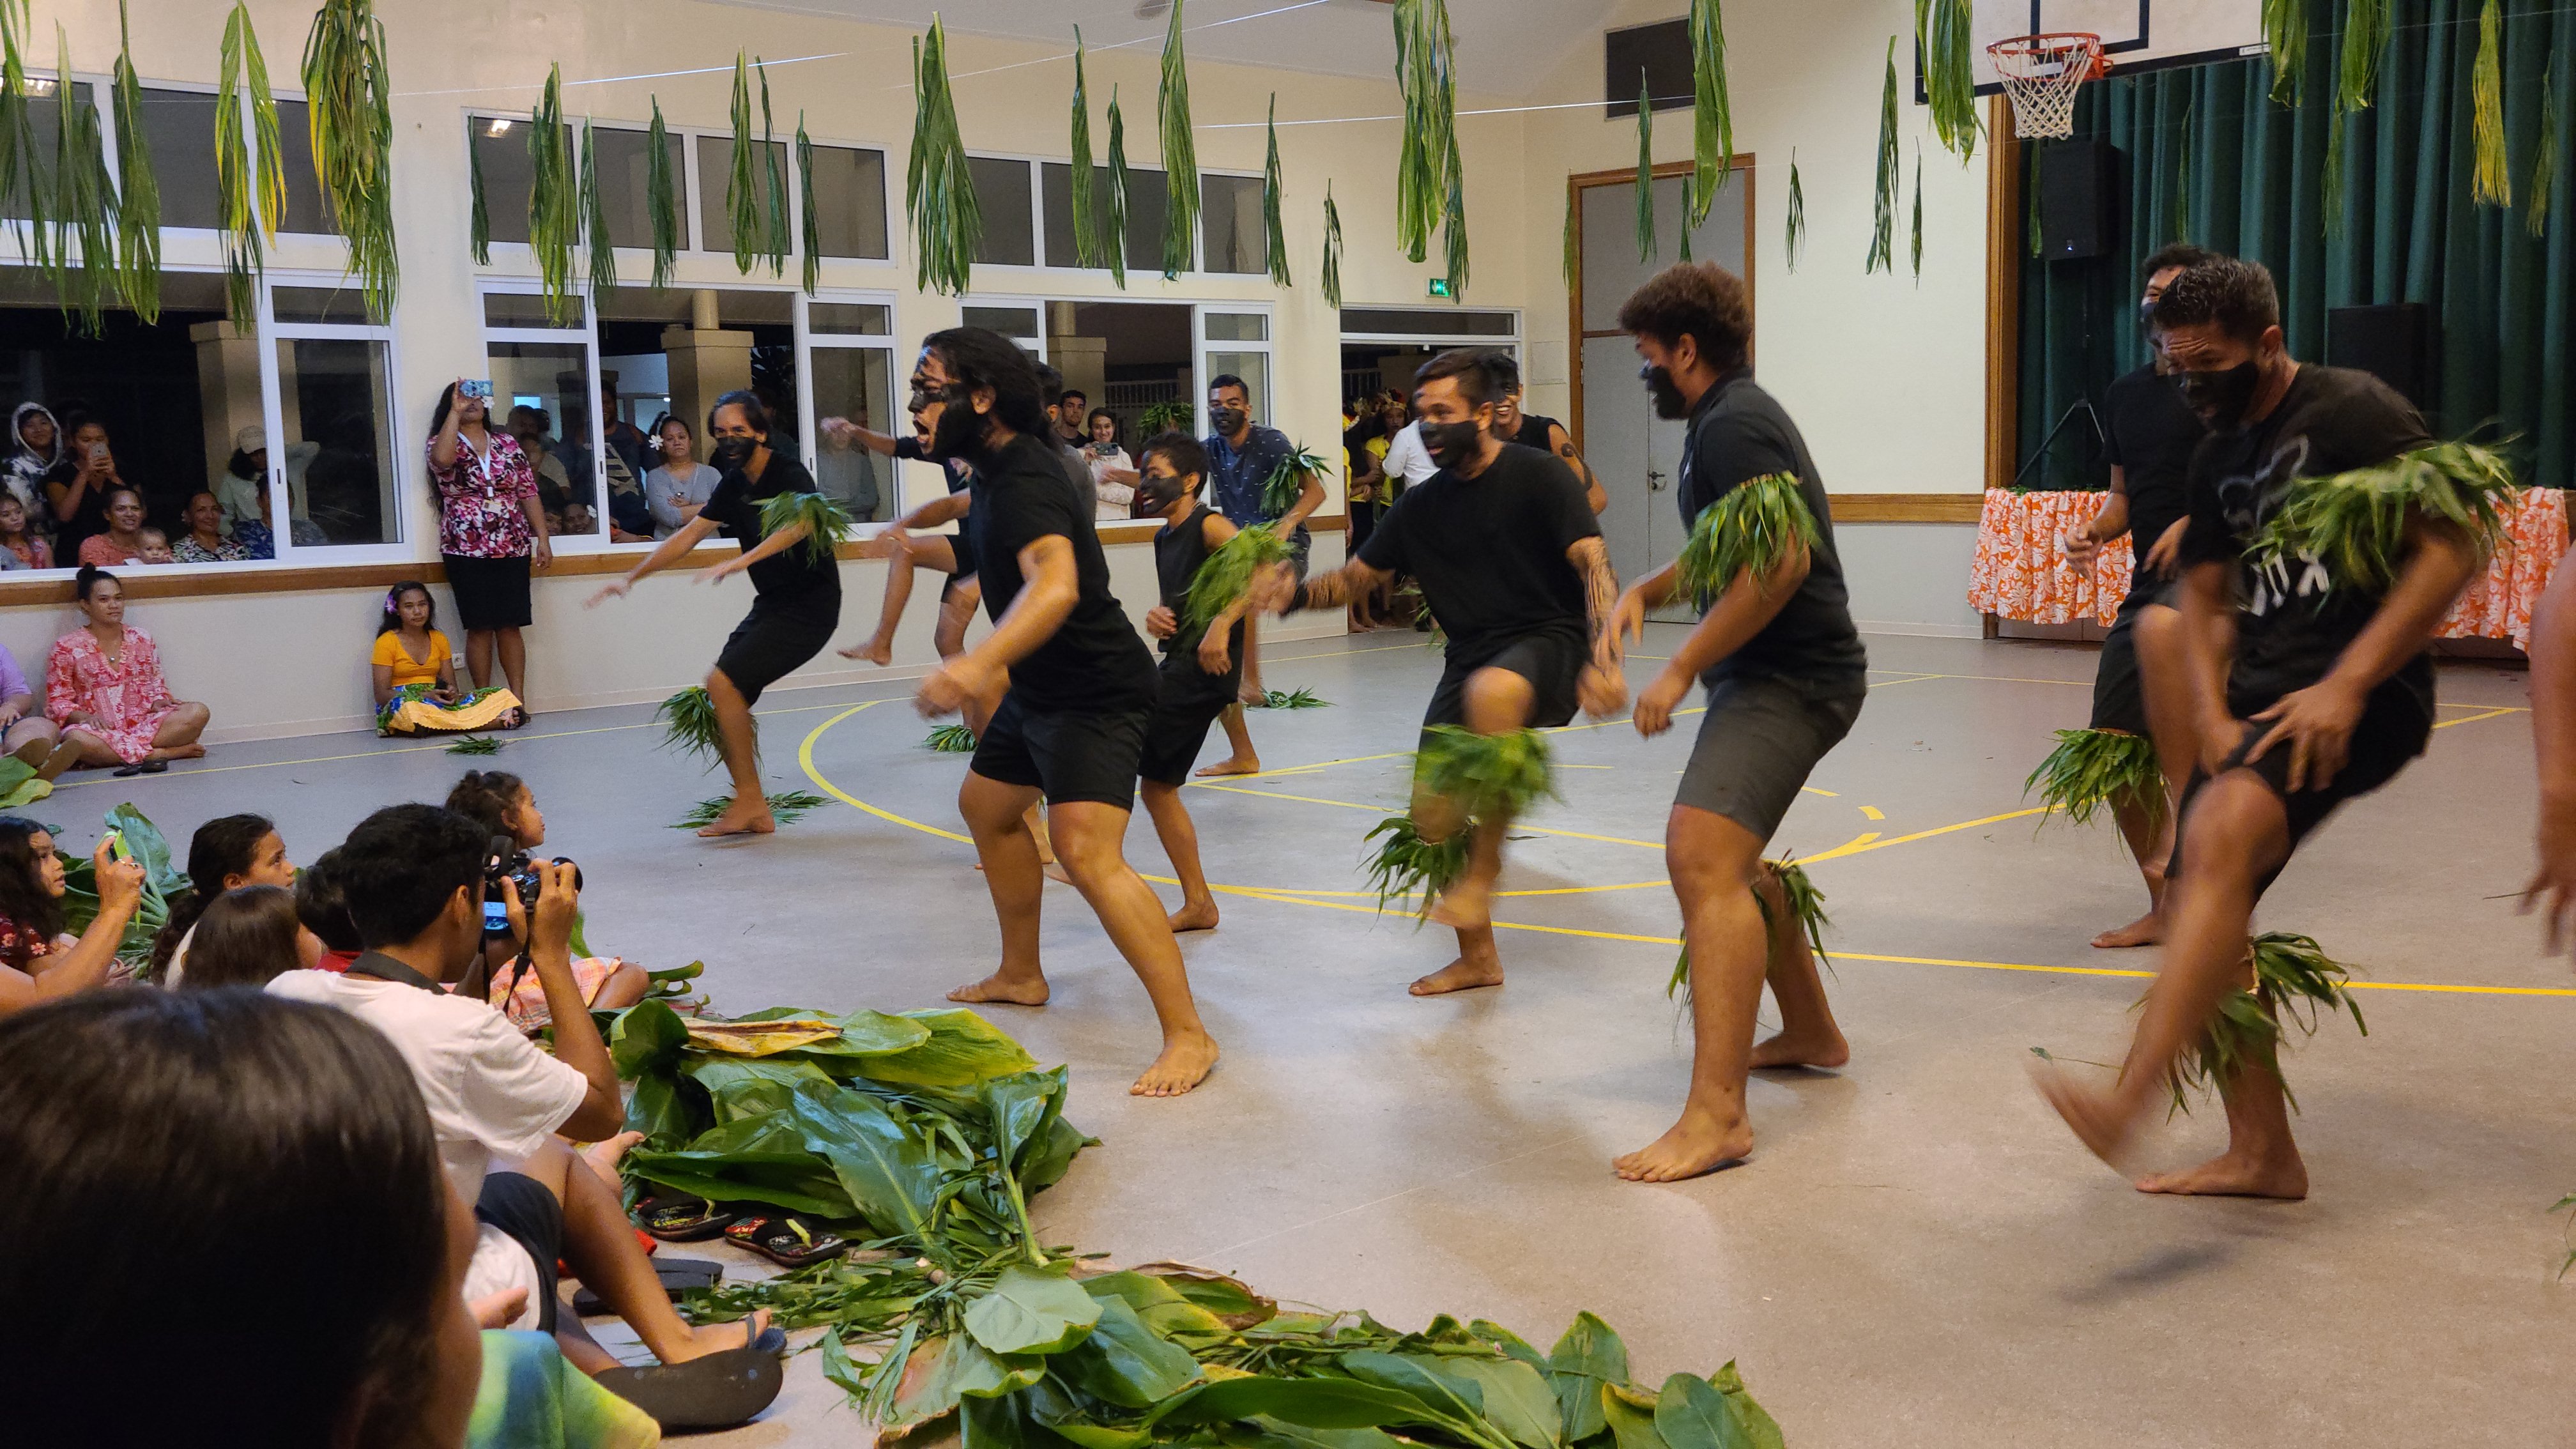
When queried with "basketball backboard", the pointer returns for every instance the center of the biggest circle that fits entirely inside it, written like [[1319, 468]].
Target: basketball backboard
[[2137, 35]]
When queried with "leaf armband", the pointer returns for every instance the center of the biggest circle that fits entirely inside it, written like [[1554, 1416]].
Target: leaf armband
[[826, 526], [1759, 523], [1228, 573], [2354, 524]]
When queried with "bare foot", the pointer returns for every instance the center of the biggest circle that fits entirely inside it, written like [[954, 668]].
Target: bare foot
[[1251, 695], [1056, 872], [1459, 975], [1808, 1049], [1185, 1062], [1464, 907], [717, 1338], [604, 1155], [2094, 1117], [2233, 1175], [1696, 1144], [741, 819], [1233, 765], [2146, 930], [1000, 990], [877, 654], [178, 752], [1201, 917]]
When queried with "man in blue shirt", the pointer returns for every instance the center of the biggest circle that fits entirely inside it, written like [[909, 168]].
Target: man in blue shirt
[[1241, 457]]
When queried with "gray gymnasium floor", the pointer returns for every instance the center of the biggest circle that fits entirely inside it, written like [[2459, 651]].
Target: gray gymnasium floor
[[1917, 1254]]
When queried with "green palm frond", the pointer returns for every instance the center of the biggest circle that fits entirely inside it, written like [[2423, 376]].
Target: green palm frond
[[84, 200], [661, 196], [1274, 228], [742, 183], [826, 526], [1942, 29], [1573, 240], [22, 166], [1171, 415], [2354, 524], [1332, 250], [2544, 155], [2093, 770], [773, 211], [787, 806], [1882, 230], [1795, 237], [1690, 198], [1294, 699], [2285, 35], [2295, 982], [478, 213], [554, 202], [1918, 213], [1227, 572], [1712, 124], [1806, 909], [939, 190], [594, 214], [348, 92], [688, 721], [2366, 28], [138, 200], [1750, 530], [1279, 491], [250, 188], [951, 740], [1489, 777], [811, 241], [1115, 243], [1453, 226], [2493, 179], [475, 745], [1086, 205], [1406, 866], [1180, 155], [1426, 74], [1645, 169]]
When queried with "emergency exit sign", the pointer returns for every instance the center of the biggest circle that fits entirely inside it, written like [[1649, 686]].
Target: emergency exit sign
[[1440, 287]]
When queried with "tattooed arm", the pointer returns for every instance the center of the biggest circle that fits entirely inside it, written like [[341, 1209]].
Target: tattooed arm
[[1602, 687], [1593, 492], [1278, 591]]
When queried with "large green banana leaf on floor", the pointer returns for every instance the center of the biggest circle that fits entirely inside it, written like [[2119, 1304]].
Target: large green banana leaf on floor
[[161, 883]]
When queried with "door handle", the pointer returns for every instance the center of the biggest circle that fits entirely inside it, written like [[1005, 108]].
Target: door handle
[[1655, 481]]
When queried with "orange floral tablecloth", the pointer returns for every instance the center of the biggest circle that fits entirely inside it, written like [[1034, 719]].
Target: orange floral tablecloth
[[2021, 570]]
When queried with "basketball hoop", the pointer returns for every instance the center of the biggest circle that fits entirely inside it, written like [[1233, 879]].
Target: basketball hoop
[[2041, 73]]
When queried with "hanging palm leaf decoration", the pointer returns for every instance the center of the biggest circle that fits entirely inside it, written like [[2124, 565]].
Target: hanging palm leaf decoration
[[1453, 225], [138, 202], [478, 216], [1645, 170], [84, 199], [1690, 199], [1425, 71], [661, 196], [1882, 233], [2493, 182], [1795, 239], [773, 225], [2182, 179], [1712, 127], [1918, 213], [594, 214], [1573, 244], [22, 172], [812, 239], [1941, 30], [554, 202], [2544, 154], [1116, 241], [2285, 35], [349, 97], [1086, 204], [742, 185], [2365, 39], [939, 192], [1332, 250], [1180, 156], [1274, 229]]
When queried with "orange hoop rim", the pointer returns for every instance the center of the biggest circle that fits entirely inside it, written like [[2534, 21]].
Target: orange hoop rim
[[2053, 44]]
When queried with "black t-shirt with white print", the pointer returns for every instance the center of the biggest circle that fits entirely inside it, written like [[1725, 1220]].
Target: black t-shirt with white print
[[2292, 622]]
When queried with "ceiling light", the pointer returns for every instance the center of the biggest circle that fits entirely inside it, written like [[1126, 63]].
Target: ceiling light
[[498, 127]]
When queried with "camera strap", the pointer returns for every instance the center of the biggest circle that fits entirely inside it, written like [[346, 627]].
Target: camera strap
[[386, 968]]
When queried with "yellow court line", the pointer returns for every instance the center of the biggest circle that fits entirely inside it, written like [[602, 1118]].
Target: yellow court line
[[1871, 812], [2474, 718], [805, 758], [1871, 841], [1828, 794]]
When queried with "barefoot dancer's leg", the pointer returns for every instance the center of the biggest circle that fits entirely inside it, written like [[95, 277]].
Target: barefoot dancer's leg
[[1088, 836], [1713, 861], [2165, 683], [1808, 1035], [956, 611], [1252, 693], [749, 812], [1498, 702], [2261, 1160], [995, 815], [1238, 734], [1180, 837]]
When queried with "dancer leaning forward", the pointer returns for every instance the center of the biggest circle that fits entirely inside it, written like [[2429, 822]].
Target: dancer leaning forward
[[1512, 564], [1785, 675], [2337, 535]]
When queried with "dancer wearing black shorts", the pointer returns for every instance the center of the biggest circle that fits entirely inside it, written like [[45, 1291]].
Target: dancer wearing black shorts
[[1081, 691], [2329, 695], [1785, 675], [2148, 439], [796, 600], [1202, 667], [1513, 567]]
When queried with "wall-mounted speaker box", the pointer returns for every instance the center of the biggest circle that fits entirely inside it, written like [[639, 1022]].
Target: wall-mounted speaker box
[[2078, 184]]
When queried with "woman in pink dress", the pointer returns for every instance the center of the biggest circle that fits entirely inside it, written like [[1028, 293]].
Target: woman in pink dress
[[103, 685]]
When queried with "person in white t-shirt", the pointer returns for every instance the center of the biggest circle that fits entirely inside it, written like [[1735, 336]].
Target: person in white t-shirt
[[414, 880], [1408, 460]]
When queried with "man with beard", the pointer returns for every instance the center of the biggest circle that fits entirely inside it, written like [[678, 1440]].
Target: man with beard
[[1081, 690], [1785, 675], [1513, 566], [2329, 695]]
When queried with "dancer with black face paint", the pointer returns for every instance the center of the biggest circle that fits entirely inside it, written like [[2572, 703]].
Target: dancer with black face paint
[[1081, 691], [2328, 696], [796, 601], [1513, 566]]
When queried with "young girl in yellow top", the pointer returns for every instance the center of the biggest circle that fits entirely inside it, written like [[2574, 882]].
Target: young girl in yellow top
[[415, 673]]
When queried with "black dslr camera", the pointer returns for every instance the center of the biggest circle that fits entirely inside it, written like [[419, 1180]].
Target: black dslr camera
[[503, 860]]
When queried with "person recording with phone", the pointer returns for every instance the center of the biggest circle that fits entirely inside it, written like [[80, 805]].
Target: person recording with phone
[[491, 532], [78, 484]]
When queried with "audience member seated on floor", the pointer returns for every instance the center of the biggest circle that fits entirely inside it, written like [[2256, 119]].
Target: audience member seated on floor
[[35, 446], [253, 1184], [415, 672], [679, 485], [38, 962], [24, 732], [500, 803], [103, 687], [204, 542], [226, 854], [28, 550], [122, 540], [248, 936], [323, 908], [413, 875], [76, 487]]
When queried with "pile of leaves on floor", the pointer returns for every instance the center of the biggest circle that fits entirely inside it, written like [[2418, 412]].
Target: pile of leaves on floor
[[924, 1135], [163, 884]]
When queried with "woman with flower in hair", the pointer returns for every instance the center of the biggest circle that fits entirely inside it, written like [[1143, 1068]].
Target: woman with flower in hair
[[415, 673]]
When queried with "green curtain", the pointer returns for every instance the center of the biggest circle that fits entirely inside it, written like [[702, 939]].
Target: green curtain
[[2208, 157]]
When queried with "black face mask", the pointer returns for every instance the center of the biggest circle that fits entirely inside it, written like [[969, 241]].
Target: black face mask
[[730, 453], [1158, 494], [1226, 420], [958, 432], [1669, 402], [1451, 444], [2221, 398]]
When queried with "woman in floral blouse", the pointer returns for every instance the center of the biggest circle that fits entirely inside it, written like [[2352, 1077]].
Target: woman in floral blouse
[[204, 542], [491, 532], [103, 685]]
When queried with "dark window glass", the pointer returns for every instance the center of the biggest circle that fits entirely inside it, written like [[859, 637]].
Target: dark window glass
[[179, 127], [625, 190], [509, 173], [1002, 194], [306, 210], [1232, 236], [715, 184], [850, 202], [1147, 199], [1426, 323]]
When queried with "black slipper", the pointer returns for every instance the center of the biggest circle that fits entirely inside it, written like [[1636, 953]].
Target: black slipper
[[788, 1240], [156, 767], [680, 1219], [714, 1392], [124, 771], [678, 1275]]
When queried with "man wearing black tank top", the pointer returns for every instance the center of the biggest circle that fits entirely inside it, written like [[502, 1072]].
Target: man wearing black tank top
[[1202, 666], [1545, 434]]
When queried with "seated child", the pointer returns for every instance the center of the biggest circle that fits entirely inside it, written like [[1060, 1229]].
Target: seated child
[[322, 908], [415, 673], [156, 547], [502, 804]]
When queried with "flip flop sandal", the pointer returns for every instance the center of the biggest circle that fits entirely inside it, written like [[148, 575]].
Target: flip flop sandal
[[718, 1391], [156, 767], [126, 771], [788, 1240], [678, 1275], [684, 1219]]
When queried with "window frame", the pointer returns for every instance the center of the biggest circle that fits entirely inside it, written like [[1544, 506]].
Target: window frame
[[587, 334], [1201, 347], [889, 343], [1041, 268], [402, 547]]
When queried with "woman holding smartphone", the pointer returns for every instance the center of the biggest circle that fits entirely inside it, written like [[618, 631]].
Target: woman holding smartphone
[[78, 484], [491, 533]]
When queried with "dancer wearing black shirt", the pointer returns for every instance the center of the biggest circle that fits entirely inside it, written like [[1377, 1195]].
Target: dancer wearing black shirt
[[796, 601], [2329, 695], [1202, 667], [1512, 564], [1081, 690], [1545, 434]]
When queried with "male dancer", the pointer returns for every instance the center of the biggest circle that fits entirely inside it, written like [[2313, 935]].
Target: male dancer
[[2553, 740], [1241, 457], [1545, 434], [1785, 675], [2330, 693], [1512, 563], [1201, 666], [2150, 435], [1080, 691]]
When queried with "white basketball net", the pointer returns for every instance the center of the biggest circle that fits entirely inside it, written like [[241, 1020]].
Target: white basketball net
[[2041, 74]]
